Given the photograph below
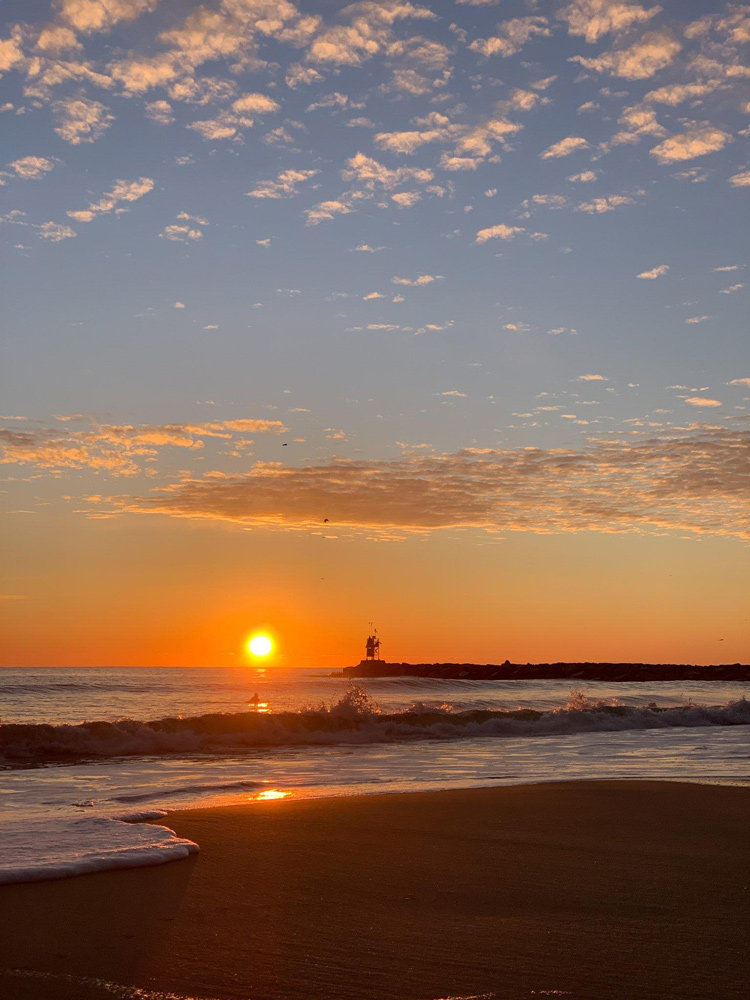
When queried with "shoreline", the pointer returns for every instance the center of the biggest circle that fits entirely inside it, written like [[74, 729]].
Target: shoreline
[[595, 889]]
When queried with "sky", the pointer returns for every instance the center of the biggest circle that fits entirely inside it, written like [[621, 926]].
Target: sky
[[430, 314]]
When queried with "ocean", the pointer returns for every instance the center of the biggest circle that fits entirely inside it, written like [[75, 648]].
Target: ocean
[[88, 754]]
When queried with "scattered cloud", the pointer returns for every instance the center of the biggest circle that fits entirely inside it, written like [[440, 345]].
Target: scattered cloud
[[741, 179], [419, 281], [698, 140], [81, 120], [89, 16], [585, 177], [652, 52], [285, 186], [593, 19], [31, 167], [598, 206], [55, 232], [123, 192], [501, 232], [655, 272], [511, 36], [697, 319], [159, 112], [120, 449], [702, 401], [564, 147]]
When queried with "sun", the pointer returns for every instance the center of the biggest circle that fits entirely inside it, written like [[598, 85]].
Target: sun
[[259, 645]]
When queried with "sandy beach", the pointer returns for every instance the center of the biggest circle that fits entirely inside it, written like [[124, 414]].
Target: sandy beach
[[590, 890]]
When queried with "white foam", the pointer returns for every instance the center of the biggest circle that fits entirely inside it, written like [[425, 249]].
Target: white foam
[[36, 850]]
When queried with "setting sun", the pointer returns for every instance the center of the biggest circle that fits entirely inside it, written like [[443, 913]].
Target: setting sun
[[259, 645]]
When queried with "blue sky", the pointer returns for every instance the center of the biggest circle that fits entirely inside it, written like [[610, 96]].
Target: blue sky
[[378, 234]]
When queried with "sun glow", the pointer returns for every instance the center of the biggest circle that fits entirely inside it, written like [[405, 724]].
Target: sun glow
[[259, 645]]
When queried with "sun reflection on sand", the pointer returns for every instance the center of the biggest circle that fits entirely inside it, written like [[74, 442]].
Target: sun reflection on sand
[[268, 794]]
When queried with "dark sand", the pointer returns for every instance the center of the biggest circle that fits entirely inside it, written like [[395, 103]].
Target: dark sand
[[590, 891]]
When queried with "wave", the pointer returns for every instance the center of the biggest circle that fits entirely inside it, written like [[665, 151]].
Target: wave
[[211, 786], [355, 718]]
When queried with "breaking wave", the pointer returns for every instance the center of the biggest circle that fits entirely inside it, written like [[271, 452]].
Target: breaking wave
[[355, 718]]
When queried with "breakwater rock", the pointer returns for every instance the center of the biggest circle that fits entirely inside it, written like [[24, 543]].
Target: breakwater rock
[[612, 672]]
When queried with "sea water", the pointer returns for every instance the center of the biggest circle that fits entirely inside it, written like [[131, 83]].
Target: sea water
[[87, 754]]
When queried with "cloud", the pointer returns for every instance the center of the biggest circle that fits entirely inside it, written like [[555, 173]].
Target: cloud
[[120, 449], [643, 59], [372, 295], [81, 120], [745, 382], [299, 76], [655, 272], [471, 142], [178, 305], [372, 174], [285, 186], [697, 319], [592, 378], [702, 401], [635, 123], [692, 481], [55, 232], [731, 289], [511, 36], [326, 210], [593, 19], [598, 206], [553, 201], [368, 31], [181, 233], [741, 179], [500, 231], [366, 248], [405, 199], [585, 177], [89, 16], [228, 124], [676, 93], [564, 147], [160, 112], [422, 279], [31, 167], [698, 140], [122, 192]]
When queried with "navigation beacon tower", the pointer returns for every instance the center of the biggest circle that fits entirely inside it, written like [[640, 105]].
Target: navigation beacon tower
[[372, 646]]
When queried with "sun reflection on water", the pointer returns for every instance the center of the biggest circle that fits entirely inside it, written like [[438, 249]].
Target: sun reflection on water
[[268, 794]]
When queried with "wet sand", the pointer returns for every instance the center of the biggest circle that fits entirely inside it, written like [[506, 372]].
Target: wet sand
[[589, 890]]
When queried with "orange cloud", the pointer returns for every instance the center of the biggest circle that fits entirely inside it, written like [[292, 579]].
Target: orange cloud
[[695, 481]]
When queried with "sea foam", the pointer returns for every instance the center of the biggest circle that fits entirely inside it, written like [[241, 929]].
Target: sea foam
[[36, 850]]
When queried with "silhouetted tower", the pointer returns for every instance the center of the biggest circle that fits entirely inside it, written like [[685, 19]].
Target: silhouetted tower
[[372, 645]]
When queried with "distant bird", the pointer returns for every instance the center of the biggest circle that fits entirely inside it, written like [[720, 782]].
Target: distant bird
[[284, 445], [325, 520]]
